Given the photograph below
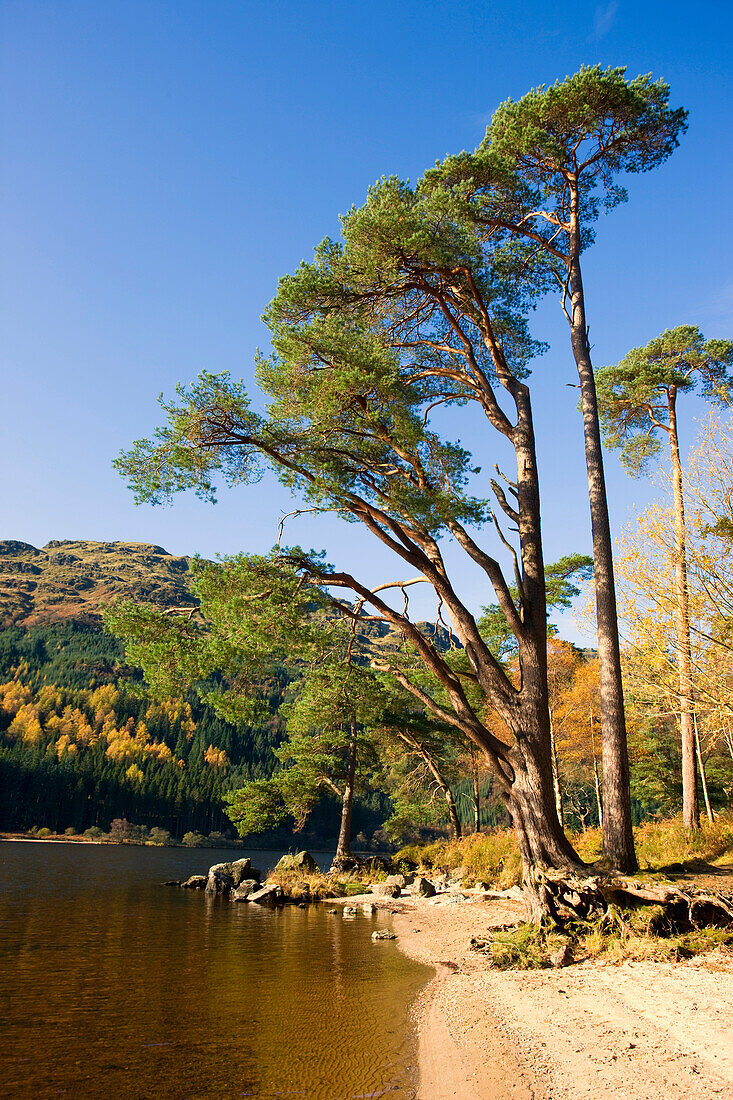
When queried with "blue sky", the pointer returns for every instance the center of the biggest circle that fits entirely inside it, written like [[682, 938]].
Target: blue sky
[[164, 162]]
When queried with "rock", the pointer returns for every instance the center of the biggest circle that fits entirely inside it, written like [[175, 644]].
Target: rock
[[242, 869], [423, 888], [195, 882], [345, 865], [367, 908], [383, 934], [334, 911], [297, 861], [172, 882], [237, 870], [268, 895], [246, 887], [475, 944], [218, 882], [396, 880], [350, 910], [513, 892], [386, 889], [377, 864], [563, 957]]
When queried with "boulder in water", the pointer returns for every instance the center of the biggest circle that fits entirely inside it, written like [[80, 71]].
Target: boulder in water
[[268, 895], [246, 887], [195, 882], [297, 861], [218, 882], [242, 869]]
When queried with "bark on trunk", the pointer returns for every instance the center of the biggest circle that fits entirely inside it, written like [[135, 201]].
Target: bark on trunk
[[703, 777], [596, 778], [453, 814], [531, 803], [556, 777], [618, 838], [476, 801], [343, 848], [690, 801]]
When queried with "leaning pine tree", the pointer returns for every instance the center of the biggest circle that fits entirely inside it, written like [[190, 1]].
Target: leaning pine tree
[[409, 314], [405, 316]]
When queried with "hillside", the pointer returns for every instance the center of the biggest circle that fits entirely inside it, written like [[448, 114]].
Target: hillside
[[75, 580]]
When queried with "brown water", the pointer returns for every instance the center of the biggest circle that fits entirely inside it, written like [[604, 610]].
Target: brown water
[[113, 986]]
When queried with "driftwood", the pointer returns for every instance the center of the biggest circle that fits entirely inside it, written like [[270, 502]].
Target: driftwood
[[565, 898]]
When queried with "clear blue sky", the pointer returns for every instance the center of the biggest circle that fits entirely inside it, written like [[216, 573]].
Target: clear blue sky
[[164, 162]]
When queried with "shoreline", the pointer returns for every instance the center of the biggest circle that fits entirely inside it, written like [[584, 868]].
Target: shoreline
[[589, 1031], [459, 1057]]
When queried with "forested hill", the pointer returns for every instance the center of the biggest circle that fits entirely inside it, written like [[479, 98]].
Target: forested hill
[[80, 744], [77, 579]]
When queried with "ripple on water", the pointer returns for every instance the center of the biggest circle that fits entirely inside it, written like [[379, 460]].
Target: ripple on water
[[114, 986]]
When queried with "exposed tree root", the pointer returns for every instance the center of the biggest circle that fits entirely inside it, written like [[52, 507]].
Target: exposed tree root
[[561, 899]]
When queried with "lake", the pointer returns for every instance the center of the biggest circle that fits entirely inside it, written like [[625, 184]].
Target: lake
[[114, 986]]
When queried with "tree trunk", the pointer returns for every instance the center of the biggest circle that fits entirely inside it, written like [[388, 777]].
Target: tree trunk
[[556, 777], [599, 800], [343, 848], [531, 803], [690, 801], [703, 778], [618, 837], [453, 814], [476, 800]]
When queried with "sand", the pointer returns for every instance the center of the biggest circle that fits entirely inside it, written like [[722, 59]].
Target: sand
[[641, 1030]]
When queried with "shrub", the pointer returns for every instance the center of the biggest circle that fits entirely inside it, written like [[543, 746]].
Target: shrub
[[160, 836], [120, 830], [195, 840], [93, 832], [71, 831], [43, 833]]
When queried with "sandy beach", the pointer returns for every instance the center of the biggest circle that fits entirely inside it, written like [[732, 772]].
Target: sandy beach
[[590, 1031]]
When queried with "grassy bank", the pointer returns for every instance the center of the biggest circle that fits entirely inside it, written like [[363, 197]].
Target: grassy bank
[[493, 858]]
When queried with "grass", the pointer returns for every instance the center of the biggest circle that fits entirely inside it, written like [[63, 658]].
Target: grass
[[493, 858], [620, 936], [316, 886]]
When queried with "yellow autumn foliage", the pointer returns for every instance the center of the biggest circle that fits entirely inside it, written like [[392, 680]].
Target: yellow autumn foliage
[[26, 726], [12, 697], [216, 758]]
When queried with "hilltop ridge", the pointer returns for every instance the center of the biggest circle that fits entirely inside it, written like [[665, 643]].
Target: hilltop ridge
[[77, 578]]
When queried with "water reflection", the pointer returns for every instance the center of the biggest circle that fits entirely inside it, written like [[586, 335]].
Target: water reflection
[[113, 986]]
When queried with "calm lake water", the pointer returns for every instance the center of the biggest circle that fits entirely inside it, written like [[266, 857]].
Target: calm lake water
[[113, 986]]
